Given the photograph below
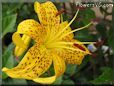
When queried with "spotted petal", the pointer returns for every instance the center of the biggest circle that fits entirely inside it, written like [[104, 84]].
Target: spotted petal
[[59, 67], [47, 13], [62, 26], [30, 28], [36, 61], [74, 56]]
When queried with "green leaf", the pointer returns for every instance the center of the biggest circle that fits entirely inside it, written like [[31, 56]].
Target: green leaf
[[84, 35], [68, 82], [105, 77], [84, 63], [70, 69], [85, 18], [8, 23], [58, 81], [65, 17], [10, 8], [101, 28], [7, 59], [11, 81], [19, 81], [87, 15]]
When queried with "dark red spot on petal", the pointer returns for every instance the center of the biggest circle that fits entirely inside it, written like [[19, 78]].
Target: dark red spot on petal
[[79, 46]]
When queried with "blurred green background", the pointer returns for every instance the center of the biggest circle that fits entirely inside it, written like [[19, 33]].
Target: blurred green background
[[95, 69]]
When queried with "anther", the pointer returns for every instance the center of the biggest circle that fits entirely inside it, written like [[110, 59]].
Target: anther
[[60, 12], [79, 46]]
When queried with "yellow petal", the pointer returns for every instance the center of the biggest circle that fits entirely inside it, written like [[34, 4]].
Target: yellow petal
[[74, 57], [47, 16], [31, 28], [47, 13], [63, 25], [59, 68], [47, 80], [40, 12], [35, 62], [51, 12], [18, 41], [59, 65], [18, 50]]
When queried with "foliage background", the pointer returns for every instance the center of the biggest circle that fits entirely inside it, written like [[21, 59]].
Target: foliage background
[[95, 69]]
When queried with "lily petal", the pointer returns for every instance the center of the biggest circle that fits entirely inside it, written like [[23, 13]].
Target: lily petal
[[59, 65], [30, 28], [50, 8], [63, 25], [40, 12], [47, 13], [46, 80], [53, 21], [47, 16], [74, 57], [18, 50], [36, 61]]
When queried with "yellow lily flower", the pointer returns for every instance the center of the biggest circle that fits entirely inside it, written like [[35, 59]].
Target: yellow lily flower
[[54, 43]]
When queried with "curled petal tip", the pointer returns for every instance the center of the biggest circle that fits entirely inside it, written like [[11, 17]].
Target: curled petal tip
[[4, 69], [36, 6], [89, 53], [48, 80]]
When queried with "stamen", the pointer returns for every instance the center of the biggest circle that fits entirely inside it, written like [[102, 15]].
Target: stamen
[[68, 24], [75, 30], [59, 33], [60, 12], [87, 42], [61, 18], [79, 46], [73, 43], [70, 48], [50, 31], [67, 43]]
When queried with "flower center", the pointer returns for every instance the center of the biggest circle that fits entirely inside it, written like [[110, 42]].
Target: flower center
[[54, 38]]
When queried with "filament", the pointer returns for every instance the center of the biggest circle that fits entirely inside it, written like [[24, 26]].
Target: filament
[[75, 30], [65, 27]]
